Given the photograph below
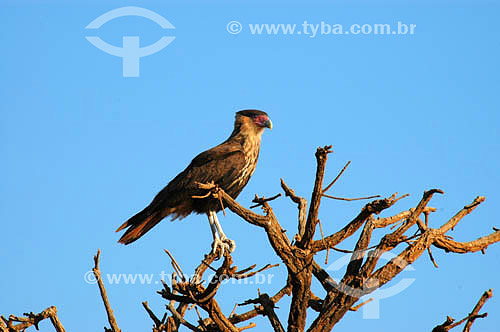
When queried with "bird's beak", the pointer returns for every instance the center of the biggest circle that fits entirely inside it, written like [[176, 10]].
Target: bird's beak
[[268, 124]]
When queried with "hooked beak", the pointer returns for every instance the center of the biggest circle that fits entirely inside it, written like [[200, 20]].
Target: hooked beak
[[268, 124]]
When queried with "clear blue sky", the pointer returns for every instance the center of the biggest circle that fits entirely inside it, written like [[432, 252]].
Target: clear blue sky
[[84, 148]]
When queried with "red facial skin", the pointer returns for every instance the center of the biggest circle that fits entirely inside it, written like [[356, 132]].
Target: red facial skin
[[261, 120]]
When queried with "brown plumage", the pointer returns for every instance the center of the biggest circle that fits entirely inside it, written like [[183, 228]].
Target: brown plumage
[[229, 165]]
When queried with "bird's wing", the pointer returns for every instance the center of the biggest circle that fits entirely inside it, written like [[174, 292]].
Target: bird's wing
[[221, 164]]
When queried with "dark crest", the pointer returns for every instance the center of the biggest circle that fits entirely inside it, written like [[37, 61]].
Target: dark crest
[[251, 113]]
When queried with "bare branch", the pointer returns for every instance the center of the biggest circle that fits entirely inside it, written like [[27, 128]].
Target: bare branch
[[359, 251], [431, 257], [242, 275], [374, 207], [3, 327], [315, 303], [175, 265], [246, 214], [323, 240], [464, 247], [324, 278], [336, 178], [475, 312], [312, 217], [450, 322], [261, 201], [301, 205], [200, 320], [205, 263], [156, 320], [391, 240], [167, 294], [268, 305], [104, 296], [398, 263], [32, 319], [249, 326], [235, 319], [193, 292], [415, 214], [356, 308], [350, 199], [462, 213], [446, 326], [274, 231], [384, 222], [181, 319]]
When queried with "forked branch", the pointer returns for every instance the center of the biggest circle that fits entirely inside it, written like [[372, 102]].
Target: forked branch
[[470, 318], [15, 323]]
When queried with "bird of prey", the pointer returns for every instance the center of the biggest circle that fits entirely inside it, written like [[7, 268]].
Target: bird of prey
[[228, 165]]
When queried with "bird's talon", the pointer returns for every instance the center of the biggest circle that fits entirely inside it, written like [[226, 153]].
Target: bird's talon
[[225, 245], [220, 247], [230, 243]]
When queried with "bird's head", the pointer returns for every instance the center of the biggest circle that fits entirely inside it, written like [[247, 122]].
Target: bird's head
[[257, 118]]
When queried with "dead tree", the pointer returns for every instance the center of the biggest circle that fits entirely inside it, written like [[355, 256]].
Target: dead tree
[[410, 230], [361, 276]]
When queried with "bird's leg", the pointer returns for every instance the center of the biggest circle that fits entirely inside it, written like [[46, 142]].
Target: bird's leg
[[218, 243], [213, 228], [223, 237]]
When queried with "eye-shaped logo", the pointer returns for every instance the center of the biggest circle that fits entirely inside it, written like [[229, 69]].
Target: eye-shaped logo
[[372, 309], [130, 52]]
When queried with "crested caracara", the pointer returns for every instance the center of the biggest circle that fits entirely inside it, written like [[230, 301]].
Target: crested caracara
[[229, 165]]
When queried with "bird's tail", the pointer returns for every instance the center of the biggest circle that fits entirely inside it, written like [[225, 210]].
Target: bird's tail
[[139, 225]]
